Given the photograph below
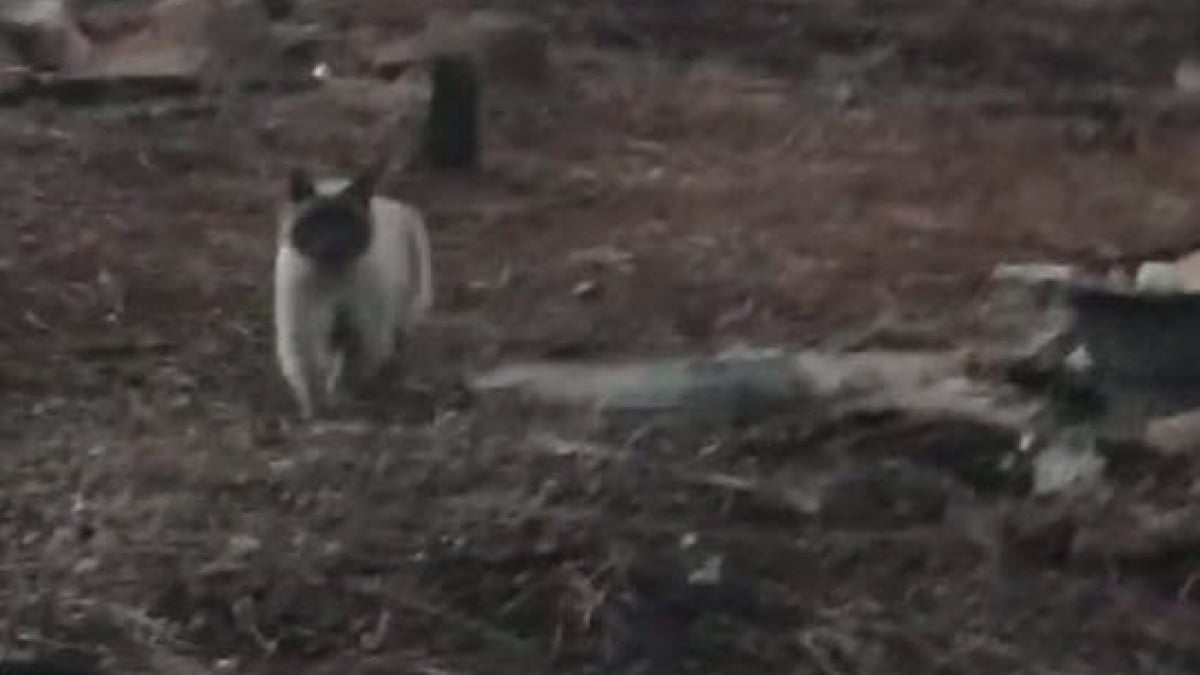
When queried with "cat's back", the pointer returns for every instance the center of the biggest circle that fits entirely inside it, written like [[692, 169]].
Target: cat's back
[[402, 252]]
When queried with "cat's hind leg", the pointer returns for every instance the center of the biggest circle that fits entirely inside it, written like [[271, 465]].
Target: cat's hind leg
[[303, 324]]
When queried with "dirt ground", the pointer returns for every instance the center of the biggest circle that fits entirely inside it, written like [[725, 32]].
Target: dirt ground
[[757, 171]]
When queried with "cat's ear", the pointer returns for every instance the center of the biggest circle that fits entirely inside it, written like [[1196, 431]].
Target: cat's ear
[[362, 187], [300, 185]]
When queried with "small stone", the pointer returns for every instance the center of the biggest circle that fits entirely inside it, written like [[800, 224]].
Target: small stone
[[603, 256], [1176, 434], [1157, 277], [1034, 273], [1079, 360], [1024, 316], [709, 573], [243, 544], [1069, 464], [1187, 272], [588, 289], [282, 466], [1187, 76]]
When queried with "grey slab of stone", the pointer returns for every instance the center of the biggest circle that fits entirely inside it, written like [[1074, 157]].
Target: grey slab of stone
[[702, 386], [1069, 463], [743, 385]]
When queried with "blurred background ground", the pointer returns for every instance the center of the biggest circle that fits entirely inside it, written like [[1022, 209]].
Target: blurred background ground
[[767, 171]]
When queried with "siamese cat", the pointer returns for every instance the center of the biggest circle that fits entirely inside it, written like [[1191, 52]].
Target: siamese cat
[[352, 271]]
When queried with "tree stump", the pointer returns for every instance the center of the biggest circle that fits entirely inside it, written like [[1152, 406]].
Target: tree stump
[[450, 139]]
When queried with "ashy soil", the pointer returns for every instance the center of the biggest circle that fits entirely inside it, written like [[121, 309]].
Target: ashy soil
[[755, 171]]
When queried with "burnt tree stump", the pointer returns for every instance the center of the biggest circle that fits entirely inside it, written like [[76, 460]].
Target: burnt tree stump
[[450, 138]]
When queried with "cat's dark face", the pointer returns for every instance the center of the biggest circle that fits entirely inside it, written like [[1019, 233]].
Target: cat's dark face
[[333, 230]]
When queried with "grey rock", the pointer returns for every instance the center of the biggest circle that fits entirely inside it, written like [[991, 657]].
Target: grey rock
[[1069, 463], [1034, 274], [1025, 317], [746, 384], [1187, 75], [1177, 434]]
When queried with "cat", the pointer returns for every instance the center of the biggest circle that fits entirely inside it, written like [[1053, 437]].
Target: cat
[[352, 270]]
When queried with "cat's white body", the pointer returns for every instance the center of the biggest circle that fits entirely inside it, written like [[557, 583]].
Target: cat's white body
[[386, 290]]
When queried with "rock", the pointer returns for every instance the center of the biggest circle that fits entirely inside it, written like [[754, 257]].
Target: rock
[[1025, 318], [713, 388], [1157, 277], [1187, 76], [508, 48], [1079, 361], [747, 384], [1178, 276], [605, 257], [1177, 434], [1069, 463], [44, 34], [1187, 272], [1034, 274], [588, 289]]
